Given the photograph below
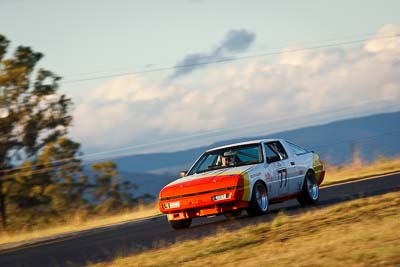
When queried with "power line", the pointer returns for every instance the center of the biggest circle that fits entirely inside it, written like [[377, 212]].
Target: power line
[[41, 171], [73, 165], [110, 70], [91, 158], [224, 60], [191, 65], [202, 133], [217, 132], [224, 131]]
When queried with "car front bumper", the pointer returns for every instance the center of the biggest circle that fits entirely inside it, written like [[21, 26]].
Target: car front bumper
[[204, 204]]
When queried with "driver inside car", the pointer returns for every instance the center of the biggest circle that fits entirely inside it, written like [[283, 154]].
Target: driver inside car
[[228, 159]]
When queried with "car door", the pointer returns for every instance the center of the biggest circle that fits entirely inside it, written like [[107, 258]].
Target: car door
[[301, 158], [284, 168], [277, 169]]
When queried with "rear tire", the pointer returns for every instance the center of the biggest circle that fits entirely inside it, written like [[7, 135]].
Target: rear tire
[[310, 191], [180, 224], [259, 200]]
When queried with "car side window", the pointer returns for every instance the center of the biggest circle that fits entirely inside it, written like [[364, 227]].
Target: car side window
[[277, 147], [270, 154], [296, 149]]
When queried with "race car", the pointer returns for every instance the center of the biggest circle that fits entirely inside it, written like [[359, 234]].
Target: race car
[[243, 176]]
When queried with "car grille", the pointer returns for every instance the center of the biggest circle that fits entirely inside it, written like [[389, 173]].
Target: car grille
[[203, 192]]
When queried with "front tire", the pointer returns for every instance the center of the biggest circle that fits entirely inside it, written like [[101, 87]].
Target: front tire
[[180, 224], [310, 191], [259, 200]]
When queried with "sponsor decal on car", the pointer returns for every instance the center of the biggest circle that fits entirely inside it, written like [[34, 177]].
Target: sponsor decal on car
[[255, 175]]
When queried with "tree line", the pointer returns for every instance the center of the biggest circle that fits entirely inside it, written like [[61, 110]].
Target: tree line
[[42, 178]]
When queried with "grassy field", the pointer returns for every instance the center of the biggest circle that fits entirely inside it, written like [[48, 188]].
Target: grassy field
[[363, 232], [334, 174]]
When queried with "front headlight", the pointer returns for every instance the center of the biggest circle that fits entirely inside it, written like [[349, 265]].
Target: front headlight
[[222, 197], [171, 205]]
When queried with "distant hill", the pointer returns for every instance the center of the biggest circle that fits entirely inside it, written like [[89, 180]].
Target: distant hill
[[333, 142], [147, 183], [373, 135]]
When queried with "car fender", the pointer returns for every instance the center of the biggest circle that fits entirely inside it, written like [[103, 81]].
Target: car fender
[[259, 173], [314, 164]]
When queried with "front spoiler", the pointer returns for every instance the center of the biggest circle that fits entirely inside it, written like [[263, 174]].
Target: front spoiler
[[215, 209]]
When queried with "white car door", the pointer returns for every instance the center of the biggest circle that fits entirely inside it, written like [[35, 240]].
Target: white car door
[[301, 158], [285, 168], [276, 166]]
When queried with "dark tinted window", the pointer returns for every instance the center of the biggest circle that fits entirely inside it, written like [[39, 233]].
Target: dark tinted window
[[269, 153], [237, 155], [278, 149]]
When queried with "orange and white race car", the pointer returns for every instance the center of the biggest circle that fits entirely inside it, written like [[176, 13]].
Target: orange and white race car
[[243, 176]]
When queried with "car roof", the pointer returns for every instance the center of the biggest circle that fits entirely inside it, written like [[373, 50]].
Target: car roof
[[243, 143]]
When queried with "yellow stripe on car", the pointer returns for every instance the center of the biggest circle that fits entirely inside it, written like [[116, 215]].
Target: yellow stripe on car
[[246, 185]]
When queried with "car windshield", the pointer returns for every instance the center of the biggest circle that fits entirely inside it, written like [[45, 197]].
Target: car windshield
[[228, 157]]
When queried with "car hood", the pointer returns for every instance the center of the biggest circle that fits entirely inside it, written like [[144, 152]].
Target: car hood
[[205, 181], [198, 178]]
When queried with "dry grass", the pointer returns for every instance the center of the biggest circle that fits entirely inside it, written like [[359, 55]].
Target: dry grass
[[335, 174], [78, 223], [363, 232]]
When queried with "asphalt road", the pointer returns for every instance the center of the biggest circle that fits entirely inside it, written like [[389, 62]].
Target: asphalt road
[[106, 244]]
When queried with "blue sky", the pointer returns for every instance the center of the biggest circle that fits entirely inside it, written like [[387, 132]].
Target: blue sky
[[111, 37], [86, 36]]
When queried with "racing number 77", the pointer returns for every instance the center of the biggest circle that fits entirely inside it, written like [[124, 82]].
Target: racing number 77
[[281, 174]]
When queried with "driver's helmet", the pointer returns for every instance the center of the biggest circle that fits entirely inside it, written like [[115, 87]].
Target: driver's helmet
[[230, 157]]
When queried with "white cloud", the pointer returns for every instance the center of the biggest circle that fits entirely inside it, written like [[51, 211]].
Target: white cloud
[[136, 110], [387, 43]]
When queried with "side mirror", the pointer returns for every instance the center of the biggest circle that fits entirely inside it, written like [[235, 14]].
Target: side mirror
[[273, 159], [182, 174]]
